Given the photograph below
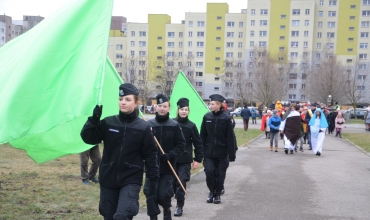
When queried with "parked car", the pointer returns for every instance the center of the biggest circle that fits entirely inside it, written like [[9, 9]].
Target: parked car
[[359, 113], [236, 112]]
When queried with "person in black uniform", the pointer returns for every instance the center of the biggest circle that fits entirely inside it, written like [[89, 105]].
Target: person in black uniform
[[183, 163], [309, 114], [128, 144], [172, 141], [219, 147]]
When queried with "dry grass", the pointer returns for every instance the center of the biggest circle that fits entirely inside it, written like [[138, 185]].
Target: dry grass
[[243, 137], [360, 139]]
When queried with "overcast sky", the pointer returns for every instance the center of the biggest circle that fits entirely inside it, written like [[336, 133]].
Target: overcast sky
[[133, 10]]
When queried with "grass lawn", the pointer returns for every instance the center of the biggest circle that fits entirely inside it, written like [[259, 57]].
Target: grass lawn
[[355, 121], [360, 139], [54, 190]]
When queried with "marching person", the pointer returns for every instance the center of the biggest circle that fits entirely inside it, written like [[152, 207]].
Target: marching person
[[309, 114], [246, 114], [86, 174], [183, 163], [169, 135], [318, 125], [291, 127], [274, 124], [219, 147], [128, 144]]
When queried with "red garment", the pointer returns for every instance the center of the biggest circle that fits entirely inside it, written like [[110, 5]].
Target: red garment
[[304, 123], [263, 123]]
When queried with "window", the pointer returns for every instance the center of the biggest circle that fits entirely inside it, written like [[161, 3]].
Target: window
[[199, 54], [229, 44], [119, 46], [366, 2], [180, 44], [132, 53], [240, 55], [352, 6], [263, 33], [218, 28], [282, 37], [305, 44], [132, 33], [230, 34], [159, 38], [199, 64], [180, 54], [189, 63], [264, 11], [295, 22], [170, 44], [366, 13], [251, 43], [253, 11], [170, 54], [349, 60], [318, 55], [350, 50], [295, 33], [190, 34], [292, 86], [263, 22], [306, 33], [118, 55], [360, 87], [361, 77], [352, 17], [142, 63], [351, 28], [190, 23], [219, 18], [363, 56], [169, 83], [252, 34], [190, 44], [217, 78], [240, 24], [332, 2], [332, 13], [229, 54], [319, 24], [319, 34], [283, 16], [218, 38], [240, 34], [282, 27], [217, 59], [296, 12], [240, 44], [331, 24], [159, 48], [200, 44], [218, 48], [294, 44], [321, 13], [330, 45], [142, 53], [200, 34], [180, 34], [362, 66], [142, 33], [305, 54], [132, 43], [217, 68], [330, 35], [198, 84], [321, 2], [292, 75], [216, 88], [262, 44], [198, 74], [253, 22], [350, 39], [306, 23], [200, 23], [307, 11], [364, 34], [365, 24], [230, 24], [281, 48], [118, 65], [171, 34], [363, 45], [318, 45], [293, 54]]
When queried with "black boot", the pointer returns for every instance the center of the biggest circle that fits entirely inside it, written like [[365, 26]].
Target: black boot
[[178, 211], [291, 151], [223, 191], [153, 217], [210, 197], [167, 214], [340, 135], [217, 199], [286, 150], [301, 149], [336, 135]]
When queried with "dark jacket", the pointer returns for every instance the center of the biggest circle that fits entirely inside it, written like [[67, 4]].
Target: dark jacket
[[308, 118], [171, 139], [217, 135], [128, 144], [246, 113], [192, 138]]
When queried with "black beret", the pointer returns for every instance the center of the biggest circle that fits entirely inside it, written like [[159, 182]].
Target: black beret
[[182, 103], [161, 98], [216, 97], [128, 89]]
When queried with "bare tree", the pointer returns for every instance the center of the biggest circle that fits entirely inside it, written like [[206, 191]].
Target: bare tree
[[357, 83], [328, 78], [268, 76], [167, 74]]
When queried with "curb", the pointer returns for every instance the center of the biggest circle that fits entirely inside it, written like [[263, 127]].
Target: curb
[[358, 147]]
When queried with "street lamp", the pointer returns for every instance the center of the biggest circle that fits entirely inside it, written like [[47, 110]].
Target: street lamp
[[329, 99]]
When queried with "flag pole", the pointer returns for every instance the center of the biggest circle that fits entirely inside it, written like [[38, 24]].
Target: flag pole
[[169, 164]]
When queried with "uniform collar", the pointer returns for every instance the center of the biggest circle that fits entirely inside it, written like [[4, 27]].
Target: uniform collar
[[162, 118], [130, 117]]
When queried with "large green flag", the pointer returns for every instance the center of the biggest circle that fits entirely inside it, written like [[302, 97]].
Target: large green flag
[[52, 77], [184, 89]]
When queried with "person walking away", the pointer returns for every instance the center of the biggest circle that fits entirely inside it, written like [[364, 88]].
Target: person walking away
[[183, 163], [254, 115], [331, 121], [245, 113], [260, 110], [339, 121], [274, 124], [310, 112], [264, 124], [169, 135], [219, 147], [318, 125], [86, 174], [272, 106], [128, 145], [290, 127]]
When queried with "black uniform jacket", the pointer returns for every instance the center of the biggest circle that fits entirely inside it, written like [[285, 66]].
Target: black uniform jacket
[[171, 139], [191, 134], [217, 135], [128, 144]]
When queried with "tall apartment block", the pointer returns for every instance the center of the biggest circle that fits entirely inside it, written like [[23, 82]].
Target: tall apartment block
[[302, 29]]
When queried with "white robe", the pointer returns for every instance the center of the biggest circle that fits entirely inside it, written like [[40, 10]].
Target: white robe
[[317, 138], [287, 144]]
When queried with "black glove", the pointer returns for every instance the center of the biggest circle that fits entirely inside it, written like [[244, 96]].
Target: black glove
[[95, 118], [153, 187], [165, 157]]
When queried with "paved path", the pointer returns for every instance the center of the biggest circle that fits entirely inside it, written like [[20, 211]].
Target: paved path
[[268, 185]]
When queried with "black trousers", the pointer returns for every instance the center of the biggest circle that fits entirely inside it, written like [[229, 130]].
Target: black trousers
[[119, 203], [183, 172], [163, 196], [215, 170]]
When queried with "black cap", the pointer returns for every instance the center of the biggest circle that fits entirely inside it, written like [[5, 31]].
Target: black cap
[[182, 103], [216, 97], [161, 98], [313, 104], [127, 89]]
